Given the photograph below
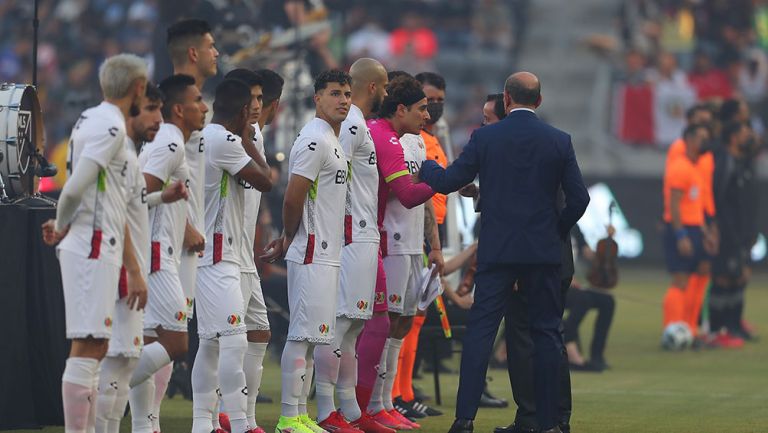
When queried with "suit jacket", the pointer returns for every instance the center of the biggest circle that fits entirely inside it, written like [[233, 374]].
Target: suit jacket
[[522, 162]]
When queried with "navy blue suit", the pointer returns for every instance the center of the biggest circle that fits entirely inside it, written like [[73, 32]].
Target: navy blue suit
[[522, 163]]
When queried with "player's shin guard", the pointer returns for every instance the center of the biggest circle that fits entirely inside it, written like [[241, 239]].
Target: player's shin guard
[[142, 398], [393, 353], [307, 382], [121, 400], [111, 369], [205, 382], [153, 358], [293, 366], [347, 377], [674, 306], [408, 359], [234, 393], [327, 359], [253, 367], [76, 391], [376, 403]]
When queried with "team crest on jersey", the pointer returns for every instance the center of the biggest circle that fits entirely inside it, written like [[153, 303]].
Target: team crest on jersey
[[363, 224], [397, 236], [234, 319], [108, 322], [362, 305], [379, 298], [324, 244], [395, 299], [323, 328], [180, 316]]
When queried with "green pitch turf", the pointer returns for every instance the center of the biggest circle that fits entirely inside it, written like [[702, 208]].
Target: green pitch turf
[[646, 390]]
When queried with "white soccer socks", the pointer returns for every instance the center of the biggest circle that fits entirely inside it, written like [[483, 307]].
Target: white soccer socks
[[162, 377], [393, 352], [345, 386], [77, 392], [293, 365], [113, 392], [142, 393], [205, 382], [376, 404], [253, 367], [234, 393]]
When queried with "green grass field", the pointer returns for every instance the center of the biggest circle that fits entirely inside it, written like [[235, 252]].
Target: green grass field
[[647, 390]]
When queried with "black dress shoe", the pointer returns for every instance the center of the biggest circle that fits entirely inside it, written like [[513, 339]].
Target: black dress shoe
[[461, 425], [565, 428], [515, 428], [488, 400]]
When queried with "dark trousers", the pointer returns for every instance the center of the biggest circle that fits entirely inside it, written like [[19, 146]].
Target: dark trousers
[[520, 364], [579, 302], [540, 284]]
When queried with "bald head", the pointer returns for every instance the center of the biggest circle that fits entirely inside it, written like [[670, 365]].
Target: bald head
[[369, 85], [365, 71], [523, 88]]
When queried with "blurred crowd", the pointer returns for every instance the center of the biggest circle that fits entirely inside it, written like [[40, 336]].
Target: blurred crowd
[[76, 35], [676, 53]]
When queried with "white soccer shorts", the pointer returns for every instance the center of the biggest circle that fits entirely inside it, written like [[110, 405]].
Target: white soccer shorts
[[166, 305], [403, 283], [90, 290], [127, 331], [357, 280], [312, 290], [253, 299], [219, 301], [188, 277]]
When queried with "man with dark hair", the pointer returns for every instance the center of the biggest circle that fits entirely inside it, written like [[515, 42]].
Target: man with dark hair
[[192, 50], [684, 231], [699, 114], [256, 321], [736, 199], [272, 86], [520, 241], [336, 363], [165, 319], [230, 161], [313, 227], [404, 111], [493, 109], [125, 345]]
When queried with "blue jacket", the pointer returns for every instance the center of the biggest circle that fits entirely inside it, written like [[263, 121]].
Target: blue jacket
[[522, 163]]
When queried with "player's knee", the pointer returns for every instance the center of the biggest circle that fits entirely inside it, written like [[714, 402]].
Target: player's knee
[[178, 348], [260, 336]]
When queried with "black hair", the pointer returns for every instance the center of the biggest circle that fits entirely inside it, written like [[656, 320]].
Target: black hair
[[498, 104], [231, 96], [391, 75], [153, 93], [182, 35], [432, 78], [522, 94], [691, 130], [729, 109], [695, 109], [271, 85], [405, 90], [250, 78], [331, 76], [173, 89], [729, 130]]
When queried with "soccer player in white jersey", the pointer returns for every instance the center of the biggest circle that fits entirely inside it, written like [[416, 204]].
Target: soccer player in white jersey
[[125, 344], [192, 51], [91, 225], [336, 364], [165, 321], [313, 223], [256, 321], [220, 308]]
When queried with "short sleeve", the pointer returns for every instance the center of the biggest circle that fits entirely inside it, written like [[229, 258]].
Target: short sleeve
[[163, 159], [389, 155], [679, 176], [102, 143], [307, 157], [228, 154], [351, 138]]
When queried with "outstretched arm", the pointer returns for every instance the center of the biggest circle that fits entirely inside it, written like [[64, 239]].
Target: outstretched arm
[[457, 175]]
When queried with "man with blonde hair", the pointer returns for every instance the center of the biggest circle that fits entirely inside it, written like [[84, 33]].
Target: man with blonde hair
[[91, 225]]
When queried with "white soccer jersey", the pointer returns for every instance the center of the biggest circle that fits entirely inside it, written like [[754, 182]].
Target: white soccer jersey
[[195, 156], [317, 155], [97, 230], [251, 214], [138, 215], [164, 159], [361, 207], [224, 197], [404, 228]]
